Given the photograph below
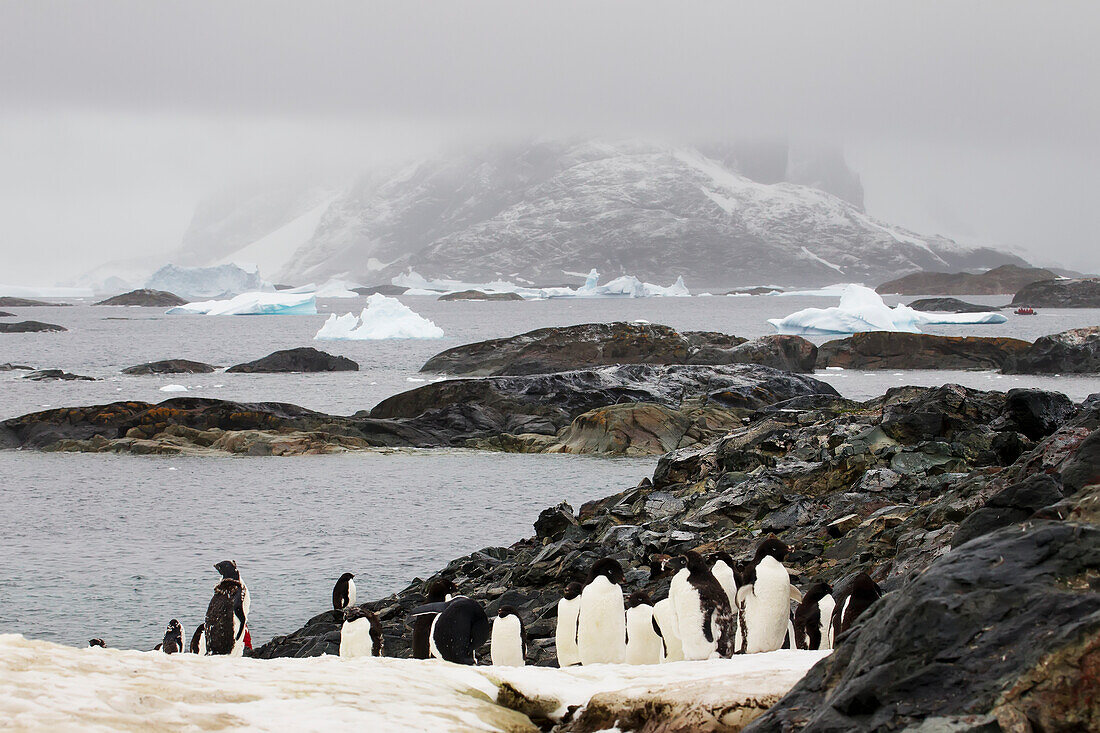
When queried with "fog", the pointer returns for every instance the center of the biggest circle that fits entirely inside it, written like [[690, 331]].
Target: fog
[[972, 119]]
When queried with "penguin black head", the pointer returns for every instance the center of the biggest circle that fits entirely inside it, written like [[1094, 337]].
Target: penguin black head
[[572, 590], [607, 567], [771, 547], [97, 642], [505, 611], [638, 598], [658, 566], [676, 564], [724, 557], [174, 625], [864, 587], [694, 562], [228, 569], [816, 592], [438, 589], [346, 577]]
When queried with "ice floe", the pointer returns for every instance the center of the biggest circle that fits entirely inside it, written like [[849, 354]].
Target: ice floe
[[862, 309], [253, 304], [331, 289], [173, 388], [383, 318]]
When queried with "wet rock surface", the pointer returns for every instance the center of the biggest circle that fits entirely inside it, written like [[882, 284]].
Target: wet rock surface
[[1063, 293], [170, 366], [146, 298], [950, 305], [56, 375], [30, 327], [890, 350], [1006, 279], [304, 359], [5, 314], [1076, 351]]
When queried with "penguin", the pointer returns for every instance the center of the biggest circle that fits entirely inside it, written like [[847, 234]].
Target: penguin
[[198, 641], [860, 594], [228, 569], [703, 612], [173, 638], [724, 569], [459, 627], [814, 617], [93, 643], [565, 634], [643, 643], [764, 599], [226, 619], [361, 634], [508, 643], [438, 590], [601, 621], [343, 594], [667, 627]]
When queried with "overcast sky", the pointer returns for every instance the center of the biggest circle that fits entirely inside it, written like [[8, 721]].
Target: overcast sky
[[972, 119]]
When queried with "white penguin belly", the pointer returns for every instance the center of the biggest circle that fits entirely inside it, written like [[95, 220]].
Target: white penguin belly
[[433, 650], [768, 607], [724, 575], [351, 593], [506, 643], [565, 634], [238, 643], [689, 617], [601, 625], [643, 646], [826, 606], [665, 615], [355, 639]]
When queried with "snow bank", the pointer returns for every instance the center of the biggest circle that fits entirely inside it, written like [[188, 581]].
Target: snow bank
[[626, 286], [862, 309], [383, 318], [207, 282], [253, 304]]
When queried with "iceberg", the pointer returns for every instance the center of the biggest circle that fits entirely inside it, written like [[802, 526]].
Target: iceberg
[[862, 309], [626, 286], [253, 304], [197, 283], [383, 318], [331, 289]]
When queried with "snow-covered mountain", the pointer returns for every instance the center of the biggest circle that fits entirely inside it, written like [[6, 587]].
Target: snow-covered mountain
[[717, 214]]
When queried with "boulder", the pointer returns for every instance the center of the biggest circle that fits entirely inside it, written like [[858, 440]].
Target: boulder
[[892, 350], [1006, 279], [641, 428], [949, 305], [1076, 351], [170, 366], [780, 351], [1038, 413], [1063, 293], [913, 416], [8, 301], [8, 367], [304, 359], [147, 298], [758, 290], [478, 295], [1011, 505], [386, 289], [50, 375], [30, 327]]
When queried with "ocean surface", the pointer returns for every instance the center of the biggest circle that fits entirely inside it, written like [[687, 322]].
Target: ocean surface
[[115, 546]]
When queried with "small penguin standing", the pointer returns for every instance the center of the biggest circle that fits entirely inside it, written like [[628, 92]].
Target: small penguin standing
[[361, 634], [226, 619], [173, 638], [198, 640], [508, 644], [643, 643], [703, 612], [601, 623], [860, 594], [565, 633], [438, 591], [764, 599], [459, 627], [814, 617], [343, 594], [667, 627]]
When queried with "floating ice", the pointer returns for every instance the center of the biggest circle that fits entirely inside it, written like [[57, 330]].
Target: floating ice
[[383, 318], [331, 289], [862, 309], [626, 286], [253, 304], [219, 281], [173, 388]]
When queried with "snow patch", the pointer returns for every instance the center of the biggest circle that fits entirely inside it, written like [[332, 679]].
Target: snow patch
[[822, 260], [383, 318]]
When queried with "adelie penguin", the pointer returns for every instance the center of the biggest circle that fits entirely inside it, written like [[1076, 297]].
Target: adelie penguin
[[813, 618], [459, 627], [343, 594], [764, 599], [601, 623], [643, 644], [93, 643], [226, 619], [198, 640], [508, 643], [665, 623], [859, 595], [703, 613], [438, 591], [228, 570], [565, 633], [361, 634], [173, 638]]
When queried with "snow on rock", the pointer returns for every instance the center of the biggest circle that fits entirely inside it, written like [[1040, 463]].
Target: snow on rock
[[173, 388], [207, 282], [253, 304], [383, 318], [862, 309]]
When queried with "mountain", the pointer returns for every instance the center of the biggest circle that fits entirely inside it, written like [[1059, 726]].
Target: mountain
[[720, 215]]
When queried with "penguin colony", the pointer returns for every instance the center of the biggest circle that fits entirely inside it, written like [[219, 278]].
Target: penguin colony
[[716, 607]]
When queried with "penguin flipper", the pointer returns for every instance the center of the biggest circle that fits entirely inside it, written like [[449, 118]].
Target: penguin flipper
[[429, 608], [238, 611], [796, 595]]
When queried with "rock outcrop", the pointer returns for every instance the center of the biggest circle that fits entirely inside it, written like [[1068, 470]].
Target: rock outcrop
[[1063, 293], [304, 359], [147, 298], [891, 350], [779, 351], [1006, 279], [56, 375], [478, 295], [170, 366], [5, 314], [30, 327], [1076, 351], [8, 301], [949, 305]]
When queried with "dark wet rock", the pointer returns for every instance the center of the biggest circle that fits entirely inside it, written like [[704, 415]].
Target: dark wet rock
[[385, 289], [56, 375], [999, 634], [304, 359], [8, 301], [759, 290], [30, 327], [1006, 279], [478, 295], [891, 350], [1011, 505], [320, 635], [1037, 412], [780, 351], [171, 366], [556, 349], [1083, 469], [7, 367], [911, 415], [5, 314], [950, 305], [1063, 293], [1076, 351], [147, 298], [554, 520]]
